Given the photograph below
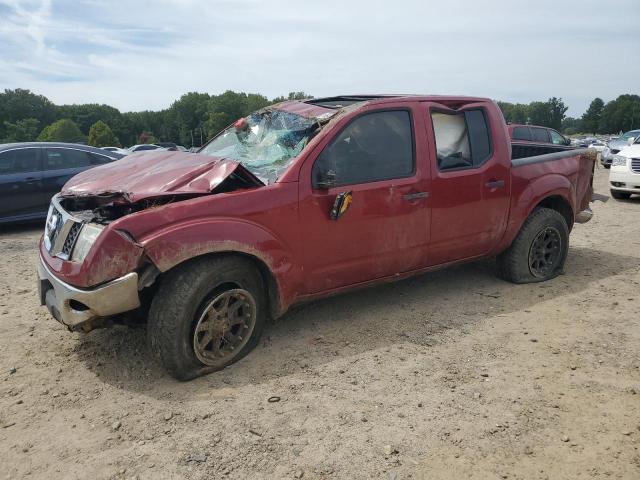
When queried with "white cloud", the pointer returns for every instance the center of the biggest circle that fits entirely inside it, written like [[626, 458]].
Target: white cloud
[[144, 54]]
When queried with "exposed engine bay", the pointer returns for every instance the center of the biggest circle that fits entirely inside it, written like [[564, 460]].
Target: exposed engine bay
[[106, 207]]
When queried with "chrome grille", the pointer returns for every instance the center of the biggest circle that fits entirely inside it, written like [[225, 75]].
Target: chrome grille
[[70, 241], [53, 227], [61, 231], [635, 165]]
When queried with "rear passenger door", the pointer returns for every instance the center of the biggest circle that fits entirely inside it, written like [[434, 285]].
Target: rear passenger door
[[470, 183], [20, 183]]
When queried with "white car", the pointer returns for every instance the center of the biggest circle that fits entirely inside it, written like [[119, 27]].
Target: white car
[[624, 177], [144, 147], [119, 150], [598, 146]]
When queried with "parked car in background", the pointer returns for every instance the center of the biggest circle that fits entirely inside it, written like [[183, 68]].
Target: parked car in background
[[529, 140], [301, 200], [172, 147], [32, 173], [617, 144], [624, 177], [121, 151], [597, 145], [144, 146]]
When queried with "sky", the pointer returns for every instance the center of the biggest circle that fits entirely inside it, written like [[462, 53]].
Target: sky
[[142, 55]]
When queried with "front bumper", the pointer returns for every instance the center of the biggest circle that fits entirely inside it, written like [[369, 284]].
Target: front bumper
[[79, 308], [624, 180]]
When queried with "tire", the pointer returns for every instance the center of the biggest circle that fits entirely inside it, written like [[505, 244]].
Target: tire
[[209, 293], [606, 165], [525, 261], [620, 195]]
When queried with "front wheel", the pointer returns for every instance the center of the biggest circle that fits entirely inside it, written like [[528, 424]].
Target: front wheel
[[539, 251], [207, 314]]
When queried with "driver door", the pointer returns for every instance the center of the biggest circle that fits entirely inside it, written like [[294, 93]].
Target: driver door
[[374, 159]]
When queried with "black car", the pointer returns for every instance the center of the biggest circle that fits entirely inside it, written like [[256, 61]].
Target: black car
[[32, 173]]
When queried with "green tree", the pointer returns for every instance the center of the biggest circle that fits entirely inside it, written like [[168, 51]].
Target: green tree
[[514, 112], [538, 114], [591, 118], [146, 137], [64, 130], [21, 104], [188, 114], [292, 96], [571, 126], [86, 115], [100, 135], [21, 131], [557, 112], [621, 114], [547, 114]]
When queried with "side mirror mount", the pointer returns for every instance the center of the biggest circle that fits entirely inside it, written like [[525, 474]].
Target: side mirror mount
[[326, 180], [630, 141], [341, 205]]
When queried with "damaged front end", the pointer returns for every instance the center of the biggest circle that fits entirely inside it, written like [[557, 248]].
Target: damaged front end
[[92, 270], [93, 264]]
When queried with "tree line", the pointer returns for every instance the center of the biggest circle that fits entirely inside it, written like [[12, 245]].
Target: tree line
[[619, 115], [195, 117], [189, 121]]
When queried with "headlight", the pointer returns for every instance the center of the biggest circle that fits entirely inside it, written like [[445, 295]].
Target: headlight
[[85, 241], [618, 161]]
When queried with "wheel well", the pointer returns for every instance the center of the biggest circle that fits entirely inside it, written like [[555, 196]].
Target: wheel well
[[560, 205], [267, 277]]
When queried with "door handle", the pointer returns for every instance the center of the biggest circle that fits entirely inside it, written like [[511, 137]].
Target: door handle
[[494, 184], [410, 197]]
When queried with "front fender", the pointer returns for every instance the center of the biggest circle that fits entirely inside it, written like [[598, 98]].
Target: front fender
[[186, 240]]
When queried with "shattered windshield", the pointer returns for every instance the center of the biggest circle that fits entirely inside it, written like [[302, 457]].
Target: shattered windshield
[[264, 142]]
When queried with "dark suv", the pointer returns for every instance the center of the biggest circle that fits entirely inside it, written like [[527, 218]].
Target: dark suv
[[530, 140], [32, 173]]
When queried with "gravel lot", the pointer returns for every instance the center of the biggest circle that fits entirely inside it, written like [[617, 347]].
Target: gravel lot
[[454, 374]]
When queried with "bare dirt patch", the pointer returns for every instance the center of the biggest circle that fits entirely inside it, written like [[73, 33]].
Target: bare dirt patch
[[454, 374]]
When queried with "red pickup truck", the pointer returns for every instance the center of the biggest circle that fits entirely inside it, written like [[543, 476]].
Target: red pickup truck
[[301, 200]]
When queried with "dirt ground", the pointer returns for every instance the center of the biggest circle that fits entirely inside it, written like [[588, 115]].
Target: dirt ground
[[453, 374]]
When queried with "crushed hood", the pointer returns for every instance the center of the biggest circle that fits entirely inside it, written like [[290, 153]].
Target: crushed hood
[[152, 174]]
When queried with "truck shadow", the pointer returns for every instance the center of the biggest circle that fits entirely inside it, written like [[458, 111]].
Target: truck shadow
[[416, 310]]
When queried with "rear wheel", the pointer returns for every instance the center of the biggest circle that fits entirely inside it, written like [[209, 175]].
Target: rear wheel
[[207, 314], [539, 251], [620, 195]]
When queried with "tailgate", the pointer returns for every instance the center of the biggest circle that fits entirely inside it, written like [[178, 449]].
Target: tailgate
[[584, 183]]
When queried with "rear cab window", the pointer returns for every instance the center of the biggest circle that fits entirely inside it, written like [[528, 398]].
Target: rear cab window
[[462, 139], [521, 133], [540, 135], [20, 160]]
